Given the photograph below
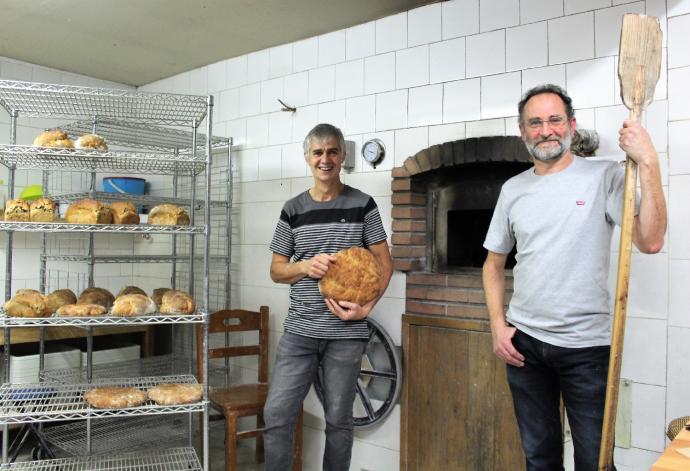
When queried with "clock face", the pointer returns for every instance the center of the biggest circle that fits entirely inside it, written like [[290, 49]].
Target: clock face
[[373, 151]]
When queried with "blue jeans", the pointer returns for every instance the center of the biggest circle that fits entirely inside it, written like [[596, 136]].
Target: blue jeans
[[579, 375], [296, 365]]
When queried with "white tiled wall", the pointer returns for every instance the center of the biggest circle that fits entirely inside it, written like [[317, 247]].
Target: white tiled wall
[[448, 71]]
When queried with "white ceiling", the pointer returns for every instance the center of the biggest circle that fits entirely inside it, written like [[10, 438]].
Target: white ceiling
[[139, 41]]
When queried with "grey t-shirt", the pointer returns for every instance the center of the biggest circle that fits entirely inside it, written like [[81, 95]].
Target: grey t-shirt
[[562, 225]]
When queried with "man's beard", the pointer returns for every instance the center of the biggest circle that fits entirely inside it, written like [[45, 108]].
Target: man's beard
[[552, 153]]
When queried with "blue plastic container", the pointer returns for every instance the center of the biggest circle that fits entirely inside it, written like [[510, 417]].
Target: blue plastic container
[[130, 185]]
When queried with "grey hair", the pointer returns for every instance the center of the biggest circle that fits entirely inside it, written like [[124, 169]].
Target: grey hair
[[324, 131], [547, 88]]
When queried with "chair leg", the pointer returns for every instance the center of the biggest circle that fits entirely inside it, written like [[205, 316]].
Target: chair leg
[[297, 457], [259, 454], [230, 442]]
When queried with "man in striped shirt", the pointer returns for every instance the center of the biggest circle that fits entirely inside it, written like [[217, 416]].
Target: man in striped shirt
[[328, 217]]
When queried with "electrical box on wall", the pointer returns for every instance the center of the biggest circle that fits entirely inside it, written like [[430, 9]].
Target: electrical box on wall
[[349, 163]]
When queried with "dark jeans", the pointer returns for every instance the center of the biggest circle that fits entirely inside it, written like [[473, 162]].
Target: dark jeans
[[296, 365], [579, 375]]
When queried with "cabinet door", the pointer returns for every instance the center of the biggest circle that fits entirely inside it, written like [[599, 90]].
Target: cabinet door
[[459, 412]]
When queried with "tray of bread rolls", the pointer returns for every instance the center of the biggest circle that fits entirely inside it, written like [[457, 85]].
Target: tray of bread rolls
[[173, 459], [98, 306], [111, 397]]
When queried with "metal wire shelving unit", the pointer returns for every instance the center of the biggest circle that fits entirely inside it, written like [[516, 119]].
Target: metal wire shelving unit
[[159, 135]]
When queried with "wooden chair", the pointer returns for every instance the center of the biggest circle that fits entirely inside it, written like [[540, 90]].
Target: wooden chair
[[242, 400]]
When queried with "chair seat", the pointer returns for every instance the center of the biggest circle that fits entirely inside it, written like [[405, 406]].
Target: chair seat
[[240, 397]]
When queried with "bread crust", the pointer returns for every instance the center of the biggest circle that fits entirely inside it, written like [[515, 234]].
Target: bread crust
[[124, 212], [17, 210], [168, 215], [98, 296], [91, 141], [54, 138], [88, 211], [170, 394], [81, 310], [114, 397], [157, 295], [59, 298], [130, 305], [355, 277], [42, 210], [27, 303], [177, 302], [130, 290]]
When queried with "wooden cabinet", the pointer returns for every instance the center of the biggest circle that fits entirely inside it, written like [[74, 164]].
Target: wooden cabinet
[[457, 412]]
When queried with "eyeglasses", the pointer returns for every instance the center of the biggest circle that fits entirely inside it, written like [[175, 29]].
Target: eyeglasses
[[553, 121]]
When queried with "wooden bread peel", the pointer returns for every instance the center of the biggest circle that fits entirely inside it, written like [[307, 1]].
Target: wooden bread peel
[[639, 65]]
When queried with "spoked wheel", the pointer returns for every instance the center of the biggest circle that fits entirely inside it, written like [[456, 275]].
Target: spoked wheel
[[379, 382]]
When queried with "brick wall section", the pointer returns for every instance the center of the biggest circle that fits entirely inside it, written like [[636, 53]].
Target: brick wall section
[[429, 293]]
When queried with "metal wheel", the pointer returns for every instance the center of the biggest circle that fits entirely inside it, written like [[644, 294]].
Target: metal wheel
[[379, 382]]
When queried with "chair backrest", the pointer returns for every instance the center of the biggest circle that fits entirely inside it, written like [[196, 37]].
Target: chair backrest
[[236, 320]]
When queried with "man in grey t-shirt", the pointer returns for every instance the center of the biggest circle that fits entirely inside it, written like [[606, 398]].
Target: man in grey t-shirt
[[560, 215]]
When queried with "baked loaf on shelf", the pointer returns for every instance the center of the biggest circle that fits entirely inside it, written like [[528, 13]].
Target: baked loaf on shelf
[[27, 303], [59, 298], [177, 302], [88, 211], [100, 296], [131, 290], [17, 210], [168, 215], [91, 141], [170, 394], [42, 210], [114, 397], [157, 295], [124, 212], [81, 310], [54, 138], [130, 305], [355, 277]]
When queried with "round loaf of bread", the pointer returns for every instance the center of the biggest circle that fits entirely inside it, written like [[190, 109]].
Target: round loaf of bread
[[177, 302], [91, 141], [88, 211], [17, 210], [170, 394], [54, 138], [157, 295], [131, 290], [99, 296], [81, 310], [27, 303], [124, 212], [59, 298], [168, 215], [355, 277], [114, 397], [42, 210], [129, 305]]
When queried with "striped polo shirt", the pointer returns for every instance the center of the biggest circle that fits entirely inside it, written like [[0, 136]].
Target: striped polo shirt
[[307, 228]]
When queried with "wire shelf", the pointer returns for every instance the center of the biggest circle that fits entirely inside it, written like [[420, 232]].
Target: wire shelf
[[11, 226], [42, 402], [134, 199], [173, 459], [81, 160], [119, 435], [66, 101], [134, 258], [142, 136], [108, 319], [159, 365]]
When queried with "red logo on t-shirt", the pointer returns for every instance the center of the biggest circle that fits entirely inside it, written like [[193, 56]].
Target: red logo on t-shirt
[[580, 202]]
